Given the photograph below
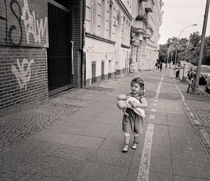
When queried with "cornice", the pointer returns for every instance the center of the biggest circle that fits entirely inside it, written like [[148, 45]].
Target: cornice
[[89, 35], [124, 8]]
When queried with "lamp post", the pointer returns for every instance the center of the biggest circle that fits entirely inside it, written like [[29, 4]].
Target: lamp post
[[202, 46], [180, 36]]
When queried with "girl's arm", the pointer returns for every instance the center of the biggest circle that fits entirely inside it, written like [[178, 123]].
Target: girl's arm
[[142, 104], [122, 97]]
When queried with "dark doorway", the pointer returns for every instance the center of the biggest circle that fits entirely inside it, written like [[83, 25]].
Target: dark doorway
[[94, 72], [59, 51], [102, 71], [109, 74]]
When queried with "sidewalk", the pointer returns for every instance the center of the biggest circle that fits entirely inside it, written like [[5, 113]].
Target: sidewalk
[[77, 136]]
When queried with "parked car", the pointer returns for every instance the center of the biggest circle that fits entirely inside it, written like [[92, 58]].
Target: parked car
[[205, 72]]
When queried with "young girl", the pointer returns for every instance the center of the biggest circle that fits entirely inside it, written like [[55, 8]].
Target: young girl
[[133, 122]]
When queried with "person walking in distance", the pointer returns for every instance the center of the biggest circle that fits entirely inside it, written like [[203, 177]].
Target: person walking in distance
[[132, 122], [161, 66]]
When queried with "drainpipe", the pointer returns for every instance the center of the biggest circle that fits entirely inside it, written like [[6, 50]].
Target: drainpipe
[[83, 52]]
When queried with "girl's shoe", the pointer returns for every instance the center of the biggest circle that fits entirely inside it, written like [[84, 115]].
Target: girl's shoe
[[125, 148], [134, 146]]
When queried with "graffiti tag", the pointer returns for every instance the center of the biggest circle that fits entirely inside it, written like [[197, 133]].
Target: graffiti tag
[[33, 26], [23, 72], [16, 11]]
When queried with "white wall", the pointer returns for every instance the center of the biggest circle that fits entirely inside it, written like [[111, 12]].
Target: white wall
[[99, 51]]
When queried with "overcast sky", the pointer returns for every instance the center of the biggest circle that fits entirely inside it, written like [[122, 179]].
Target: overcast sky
[[180, 13]]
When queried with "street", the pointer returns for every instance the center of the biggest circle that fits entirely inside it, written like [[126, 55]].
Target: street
[[77, 135]]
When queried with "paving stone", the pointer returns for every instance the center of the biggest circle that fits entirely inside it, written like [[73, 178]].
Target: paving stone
[[107, 157], [161, 164], [91, 171], [159, 176], [194, 167], [180, 178]]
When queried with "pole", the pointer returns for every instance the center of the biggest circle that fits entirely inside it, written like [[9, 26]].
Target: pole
[[202, 46], [176, 56]]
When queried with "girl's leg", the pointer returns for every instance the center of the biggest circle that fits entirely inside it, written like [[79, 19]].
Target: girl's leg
[[135, 141], [126, 140], [138, 129]]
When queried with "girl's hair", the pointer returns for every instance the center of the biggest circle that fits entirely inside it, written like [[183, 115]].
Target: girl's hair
[[139, 81]]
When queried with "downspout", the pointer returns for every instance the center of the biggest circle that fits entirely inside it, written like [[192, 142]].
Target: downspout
[[83, 52]]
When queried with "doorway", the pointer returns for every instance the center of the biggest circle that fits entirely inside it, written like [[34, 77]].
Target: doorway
[[59, 51]]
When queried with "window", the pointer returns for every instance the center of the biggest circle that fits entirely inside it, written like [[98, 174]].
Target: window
[[99, 18], [89, 15]]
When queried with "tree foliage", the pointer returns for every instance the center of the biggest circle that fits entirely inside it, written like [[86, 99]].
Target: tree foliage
[[185, 49]]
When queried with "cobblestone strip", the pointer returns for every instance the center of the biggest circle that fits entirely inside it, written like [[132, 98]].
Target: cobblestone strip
[[19, 125], [202, 111], [199, 118], [198, 127]]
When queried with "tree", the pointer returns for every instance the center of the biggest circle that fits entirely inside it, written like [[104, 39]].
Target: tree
[[206, 54], [187, 49]]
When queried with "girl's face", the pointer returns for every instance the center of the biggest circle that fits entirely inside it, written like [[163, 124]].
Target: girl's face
[[135, 88]]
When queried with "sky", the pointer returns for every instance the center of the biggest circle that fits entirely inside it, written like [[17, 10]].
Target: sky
[[178, 14]]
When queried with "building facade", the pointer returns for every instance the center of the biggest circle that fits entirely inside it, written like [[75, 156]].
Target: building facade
[[147, 18], [107, 38]]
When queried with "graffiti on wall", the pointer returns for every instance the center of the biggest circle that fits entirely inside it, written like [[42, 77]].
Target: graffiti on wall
[[14, 17], [10, 29], [37, 28], [22, 72]]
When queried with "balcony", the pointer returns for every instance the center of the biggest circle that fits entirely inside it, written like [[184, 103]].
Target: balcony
[[142, 18], [149, 6], [139, 26], [150, 30], [148, 33]]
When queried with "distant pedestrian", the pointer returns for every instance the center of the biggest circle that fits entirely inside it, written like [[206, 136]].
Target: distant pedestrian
[[161, 66], [132, 122], [156, 65]]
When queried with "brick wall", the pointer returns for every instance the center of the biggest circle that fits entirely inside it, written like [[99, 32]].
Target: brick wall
[[23, 51], [23, 56], [23, 77]]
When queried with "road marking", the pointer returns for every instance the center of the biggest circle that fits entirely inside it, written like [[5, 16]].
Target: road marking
[[155, 104], [182, 96], [159, 86], [152, 116], [153, 110], [143, 174]]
